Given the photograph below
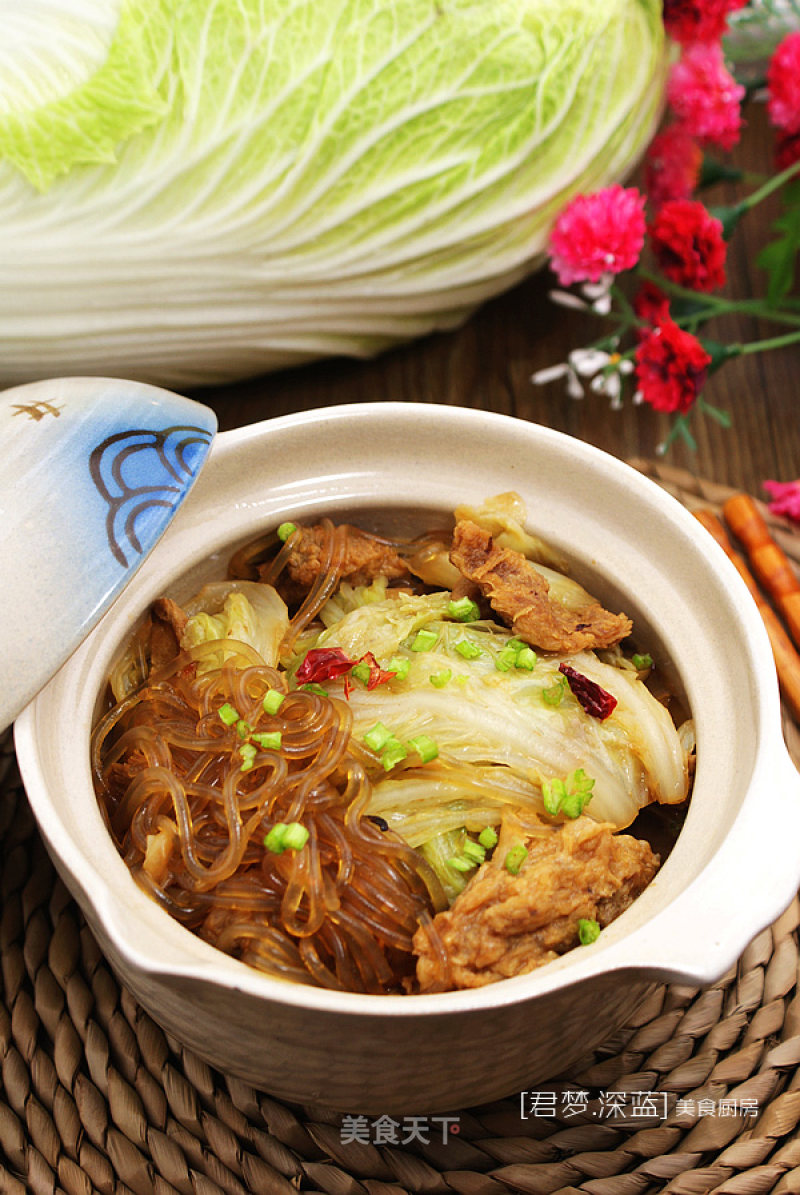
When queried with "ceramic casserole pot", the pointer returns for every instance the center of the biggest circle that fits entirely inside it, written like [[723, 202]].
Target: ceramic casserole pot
[[734, 867]]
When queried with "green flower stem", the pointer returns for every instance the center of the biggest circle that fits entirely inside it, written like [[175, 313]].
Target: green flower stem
[[763, 346], [713, 305], [772, 184]]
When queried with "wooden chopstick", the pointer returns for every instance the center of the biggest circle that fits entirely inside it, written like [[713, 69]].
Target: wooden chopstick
[[787, 659]]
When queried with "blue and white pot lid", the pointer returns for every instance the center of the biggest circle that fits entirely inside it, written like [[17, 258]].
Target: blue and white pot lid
[[92, 471]]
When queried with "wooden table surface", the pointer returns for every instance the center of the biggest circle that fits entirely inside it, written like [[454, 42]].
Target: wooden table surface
[[488, 363]]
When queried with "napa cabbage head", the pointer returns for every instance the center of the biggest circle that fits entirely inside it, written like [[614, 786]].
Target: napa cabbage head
[[193, 190]]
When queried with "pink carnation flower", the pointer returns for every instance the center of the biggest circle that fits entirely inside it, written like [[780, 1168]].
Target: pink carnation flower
[[597, 234], [705, 97], [783, 85], [785, 498]]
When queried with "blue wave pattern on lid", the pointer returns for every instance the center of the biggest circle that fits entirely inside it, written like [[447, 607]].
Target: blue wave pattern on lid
[[143, 475], [93, 472]]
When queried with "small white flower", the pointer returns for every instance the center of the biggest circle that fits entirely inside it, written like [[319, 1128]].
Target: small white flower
[[598, 294], [588, 363], [565, 298]]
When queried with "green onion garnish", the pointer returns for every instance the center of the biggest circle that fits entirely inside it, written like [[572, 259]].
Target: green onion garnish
[[488, 837], [283, 837], [460, 863], [568, 796], [554, 694], [440, 679], [474, 851], [269, 740], [273, 700], [228, 714], [425, 747], [463, 610], [424, 640], [515, 858], [506, 658], [243, 728], [399, 665], [468, 649], [361, 672], [392, 753], [377, 738], [588, 930], [295, 837], [526, 658], [640, 662], [312, 687], [285, 530]]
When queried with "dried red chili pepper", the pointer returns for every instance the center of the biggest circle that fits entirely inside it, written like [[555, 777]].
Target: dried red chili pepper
[[323, 663], [596, 700]]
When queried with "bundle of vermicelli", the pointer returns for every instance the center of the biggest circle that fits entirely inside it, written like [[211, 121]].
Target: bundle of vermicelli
[[190, 815]]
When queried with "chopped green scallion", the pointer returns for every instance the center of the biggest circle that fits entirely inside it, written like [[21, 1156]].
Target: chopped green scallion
[[463, 610], [243, 728], [506, 658], [641, 662], [468, 649], [588, 930], [228, 714], [399, 665], [295, 837], [554, 694], [440, 679], [424, 640], [274, 839], [515, 858], [392, 753], [273, 700], [377, 738], [425, 747], [474, 851], [460, 863], [488, 837], [526, 658], [312, 687], [269, 740], [361, 672], [285, 530]]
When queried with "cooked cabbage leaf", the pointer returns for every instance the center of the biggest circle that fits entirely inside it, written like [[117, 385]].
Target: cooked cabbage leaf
[[245, 611], [501, 732]]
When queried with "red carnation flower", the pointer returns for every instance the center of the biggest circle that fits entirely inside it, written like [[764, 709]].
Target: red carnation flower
[[688, 243], [651, 305], [671, 367], [597, 234], [783, 85], [705, 97], [689, 21], [672, 165], [787, 150]]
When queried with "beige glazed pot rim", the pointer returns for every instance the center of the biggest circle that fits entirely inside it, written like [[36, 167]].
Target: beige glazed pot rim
[[628, 540]]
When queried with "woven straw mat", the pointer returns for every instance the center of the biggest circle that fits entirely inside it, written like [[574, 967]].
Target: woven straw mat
[[700, 1092]]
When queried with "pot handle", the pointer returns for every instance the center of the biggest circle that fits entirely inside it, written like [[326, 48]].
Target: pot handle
[[751, 880]]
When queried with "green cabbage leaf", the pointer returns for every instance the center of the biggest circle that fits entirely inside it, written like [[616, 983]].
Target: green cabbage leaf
[[195, 190]]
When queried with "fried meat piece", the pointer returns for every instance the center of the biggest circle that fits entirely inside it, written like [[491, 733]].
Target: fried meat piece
[[503, 924], [365, 559], [167, 624], [519, 593]]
